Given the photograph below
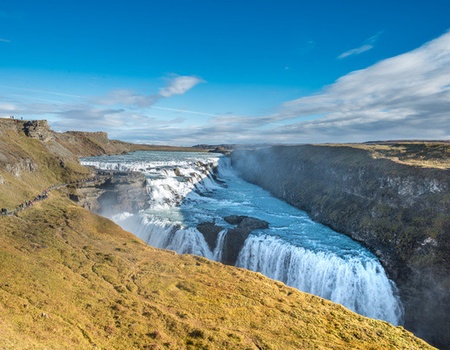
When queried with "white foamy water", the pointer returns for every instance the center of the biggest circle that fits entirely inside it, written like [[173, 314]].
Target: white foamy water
[[186, 189]]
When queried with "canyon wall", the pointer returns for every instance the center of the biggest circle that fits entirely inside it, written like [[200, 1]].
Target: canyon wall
[[112, 192], [400, 212]]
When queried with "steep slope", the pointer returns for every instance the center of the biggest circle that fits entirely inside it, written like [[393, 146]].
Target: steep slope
[[71, 279], [31, 160], [399, 211]]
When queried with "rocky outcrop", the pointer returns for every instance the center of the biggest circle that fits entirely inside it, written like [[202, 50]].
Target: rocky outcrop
[[234, 238], [23, 165], [38, 129], [112, 192], [246, 223], [400, 212]]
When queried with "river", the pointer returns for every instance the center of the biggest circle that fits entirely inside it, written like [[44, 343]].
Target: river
[[186, 189]]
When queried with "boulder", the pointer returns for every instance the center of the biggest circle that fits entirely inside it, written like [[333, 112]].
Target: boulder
[[233, 242], [246, 222]]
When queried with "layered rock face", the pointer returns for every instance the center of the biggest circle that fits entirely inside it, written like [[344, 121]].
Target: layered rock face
[[38, 129], [112, 192], [401, 213]]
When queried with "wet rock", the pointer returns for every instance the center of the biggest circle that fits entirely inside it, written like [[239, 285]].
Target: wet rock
[[246, 222], [210, 231], [235, 237], [113, 192], [233, 242]]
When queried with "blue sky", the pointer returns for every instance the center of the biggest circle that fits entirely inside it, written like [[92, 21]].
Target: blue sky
[[203, 71]]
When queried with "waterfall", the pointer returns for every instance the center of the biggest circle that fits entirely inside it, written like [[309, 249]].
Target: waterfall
[[187, 189], [217, 254], [361, 286]]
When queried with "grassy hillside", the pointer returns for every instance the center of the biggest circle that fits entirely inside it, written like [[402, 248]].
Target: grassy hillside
[[71, 279], [28, 165], [33, 161]]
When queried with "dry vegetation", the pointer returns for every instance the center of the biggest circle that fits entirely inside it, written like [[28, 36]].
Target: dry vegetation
[[71, 279], [27, 167], [418, 154]]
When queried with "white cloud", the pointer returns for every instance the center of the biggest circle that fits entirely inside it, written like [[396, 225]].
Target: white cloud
[[179, 85], [357, 51], [368, 45], [404, 97], [3, 40], [119, 123], [184, 111], [126, 97], [6, 107], [407, 96]]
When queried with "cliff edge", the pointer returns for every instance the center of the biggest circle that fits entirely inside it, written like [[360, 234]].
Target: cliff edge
[[401, 212]]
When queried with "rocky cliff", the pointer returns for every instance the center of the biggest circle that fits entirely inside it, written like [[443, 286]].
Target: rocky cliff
[[400, 212], [112, 192], [31, 160]]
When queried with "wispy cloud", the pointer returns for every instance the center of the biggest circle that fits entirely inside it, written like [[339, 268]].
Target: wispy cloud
[[407, 96], [403, 97], [184, 111], [369, 44], [357, 51], [176, 85], [179, 85], [120, 123], [6, 108], [127, 117], [126, 97], [3, 40], [43, 92]]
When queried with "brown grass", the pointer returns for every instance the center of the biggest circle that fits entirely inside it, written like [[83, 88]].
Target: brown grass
[[71, 279], [419, 154]]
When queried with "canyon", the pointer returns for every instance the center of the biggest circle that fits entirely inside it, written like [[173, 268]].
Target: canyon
[[399, 211]]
